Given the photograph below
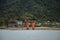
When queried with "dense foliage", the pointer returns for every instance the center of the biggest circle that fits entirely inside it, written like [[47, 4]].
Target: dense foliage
[[42, 10]]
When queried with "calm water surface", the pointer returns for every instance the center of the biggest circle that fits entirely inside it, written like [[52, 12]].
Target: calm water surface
[[29, 34]]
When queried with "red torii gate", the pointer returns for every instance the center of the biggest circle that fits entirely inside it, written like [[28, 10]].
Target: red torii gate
[[30, 22]]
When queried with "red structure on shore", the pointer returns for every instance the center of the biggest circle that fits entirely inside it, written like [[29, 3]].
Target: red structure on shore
[[30, 22]]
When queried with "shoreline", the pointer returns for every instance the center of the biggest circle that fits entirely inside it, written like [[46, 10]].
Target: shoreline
[[36, 28]]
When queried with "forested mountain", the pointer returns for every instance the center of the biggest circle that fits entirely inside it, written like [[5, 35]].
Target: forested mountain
[[39, 9]]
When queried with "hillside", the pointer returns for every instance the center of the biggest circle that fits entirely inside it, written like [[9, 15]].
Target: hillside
[[41, 9]]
